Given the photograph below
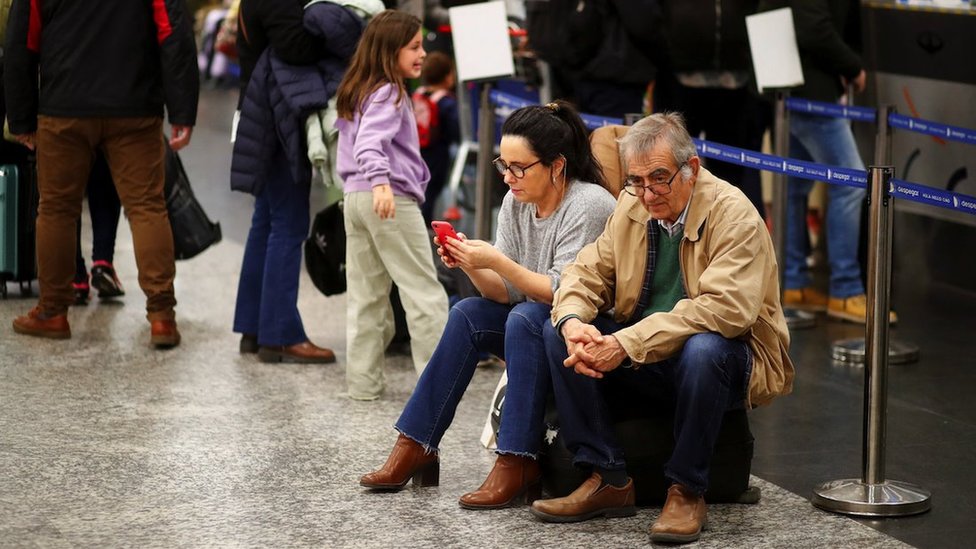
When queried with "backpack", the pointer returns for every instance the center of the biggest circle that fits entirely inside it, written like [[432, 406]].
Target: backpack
[[426, 112], [325, 250], [565, 33]]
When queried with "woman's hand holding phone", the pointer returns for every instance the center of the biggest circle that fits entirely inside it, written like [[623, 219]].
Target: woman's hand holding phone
[[443, 232]]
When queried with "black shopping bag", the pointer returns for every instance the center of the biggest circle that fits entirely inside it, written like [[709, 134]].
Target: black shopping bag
[[325, 250], [193, 232]]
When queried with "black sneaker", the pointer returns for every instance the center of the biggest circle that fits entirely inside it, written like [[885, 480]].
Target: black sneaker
[[104, 280], [81, 292]]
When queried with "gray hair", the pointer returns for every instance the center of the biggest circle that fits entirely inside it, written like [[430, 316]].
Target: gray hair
[[644, 135]]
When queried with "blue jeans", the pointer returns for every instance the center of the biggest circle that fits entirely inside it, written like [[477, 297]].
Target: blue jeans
[[825, 141], [708, 378], [267, 294], [477, 325]]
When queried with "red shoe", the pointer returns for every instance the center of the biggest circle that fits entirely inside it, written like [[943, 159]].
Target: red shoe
[[104, 279], [163, 334], [40, 324]]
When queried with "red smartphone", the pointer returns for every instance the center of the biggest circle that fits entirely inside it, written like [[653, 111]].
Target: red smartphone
[[443, 230]]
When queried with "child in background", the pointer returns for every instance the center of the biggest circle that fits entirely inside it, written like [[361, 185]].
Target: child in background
[[436, 109], [384, 178]]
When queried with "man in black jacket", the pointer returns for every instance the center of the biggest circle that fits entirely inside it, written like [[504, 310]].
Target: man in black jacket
[[100, 82], [709, 80]]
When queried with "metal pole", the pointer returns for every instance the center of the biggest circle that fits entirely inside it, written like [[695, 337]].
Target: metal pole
[[484, 178], [853, 350], [876, 325], [872, 495], [465, 149], [795, 319]]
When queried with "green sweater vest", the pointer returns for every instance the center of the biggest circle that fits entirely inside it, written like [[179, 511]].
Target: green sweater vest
[[666, 287]]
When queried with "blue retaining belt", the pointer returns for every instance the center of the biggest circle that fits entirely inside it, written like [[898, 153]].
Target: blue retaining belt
[[935, 197], [507, 101], [789, 166], [918, 125], [913, 192], [861, 114]]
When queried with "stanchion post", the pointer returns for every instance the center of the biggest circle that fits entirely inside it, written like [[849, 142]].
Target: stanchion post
[[853, 350], [781, 147], [483, 180], [872, 495], [466, 148]]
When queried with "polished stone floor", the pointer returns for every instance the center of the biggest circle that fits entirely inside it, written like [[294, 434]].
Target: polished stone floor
[[105, 442]]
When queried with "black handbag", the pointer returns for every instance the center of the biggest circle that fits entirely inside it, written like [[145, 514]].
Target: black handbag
[[193, 232], [325, 250]]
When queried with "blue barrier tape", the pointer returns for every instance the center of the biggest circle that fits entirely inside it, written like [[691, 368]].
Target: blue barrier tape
[[505, 103], [789, 166], [923, 194], [860, 114], [592, 121], [513, 102], [918, 125], [914, 192]]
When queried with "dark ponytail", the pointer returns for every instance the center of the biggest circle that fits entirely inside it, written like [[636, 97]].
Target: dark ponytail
[[556, 129]]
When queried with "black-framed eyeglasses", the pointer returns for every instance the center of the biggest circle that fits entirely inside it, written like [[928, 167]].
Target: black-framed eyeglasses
[[518, 172], [660, 183]]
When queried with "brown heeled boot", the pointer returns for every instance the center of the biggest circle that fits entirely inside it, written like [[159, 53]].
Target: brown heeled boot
[[510, 478], [408, 460]]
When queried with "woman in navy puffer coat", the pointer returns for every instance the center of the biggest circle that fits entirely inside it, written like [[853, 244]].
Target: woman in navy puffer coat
[[289, 70]]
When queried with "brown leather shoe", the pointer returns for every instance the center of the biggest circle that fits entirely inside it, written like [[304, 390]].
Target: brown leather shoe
[[408, 460], [40, 324], [682, 518], [592, 499], [163, 334], [300, 353], [510, 478]]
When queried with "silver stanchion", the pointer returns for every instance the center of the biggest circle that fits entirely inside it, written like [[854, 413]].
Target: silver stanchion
[[484, 178], [795, 318], [466, 148], [852, 350], [872, 495]]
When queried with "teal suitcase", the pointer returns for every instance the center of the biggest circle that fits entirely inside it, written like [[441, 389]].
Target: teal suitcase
[[8, 221], [18, 211]]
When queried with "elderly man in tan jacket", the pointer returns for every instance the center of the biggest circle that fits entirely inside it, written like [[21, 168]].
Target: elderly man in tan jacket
[[686, 267]]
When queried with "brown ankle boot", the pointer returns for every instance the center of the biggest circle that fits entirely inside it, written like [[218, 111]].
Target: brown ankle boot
[[510, 478], [407, 460]]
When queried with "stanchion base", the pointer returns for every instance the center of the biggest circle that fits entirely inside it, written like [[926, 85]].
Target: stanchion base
[[852, 351], [799, 320], [891, 498]]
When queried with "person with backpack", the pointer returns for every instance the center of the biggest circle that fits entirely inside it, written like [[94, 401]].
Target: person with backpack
[[102, 78], [436, 110], [288, 70]]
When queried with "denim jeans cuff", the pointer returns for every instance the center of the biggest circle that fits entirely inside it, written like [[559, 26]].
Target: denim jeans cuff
[[428, 449]]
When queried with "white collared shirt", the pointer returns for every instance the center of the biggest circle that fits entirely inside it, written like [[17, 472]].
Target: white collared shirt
[[679, 225]]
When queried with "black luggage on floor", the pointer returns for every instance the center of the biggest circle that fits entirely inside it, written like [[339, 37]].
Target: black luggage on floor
[[648, 442], [18, 213]]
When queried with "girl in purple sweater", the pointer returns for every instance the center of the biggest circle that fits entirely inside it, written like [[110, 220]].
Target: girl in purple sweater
[[384, 178]]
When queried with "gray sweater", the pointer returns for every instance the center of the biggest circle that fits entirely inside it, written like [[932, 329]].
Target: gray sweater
[[547, 245]]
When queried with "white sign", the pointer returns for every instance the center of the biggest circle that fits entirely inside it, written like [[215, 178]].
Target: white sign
[[482, 48], [775, 57]]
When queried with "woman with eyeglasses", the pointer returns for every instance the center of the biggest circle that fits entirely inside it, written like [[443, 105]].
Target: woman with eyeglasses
[[556, 204]]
